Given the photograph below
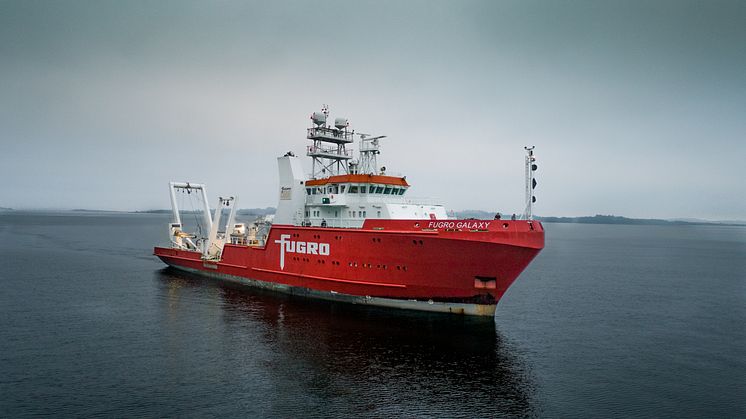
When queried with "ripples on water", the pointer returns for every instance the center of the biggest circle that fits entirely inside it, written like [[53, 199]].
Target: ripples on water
[[305, 356], [608, 321]]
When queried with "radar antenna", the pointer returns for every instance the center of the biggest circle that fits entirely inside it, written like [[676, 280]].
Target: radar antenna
[[369, 150]]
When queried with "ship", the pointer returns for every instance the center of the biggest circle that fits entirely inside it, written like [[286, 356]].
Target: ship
[[348, 231]]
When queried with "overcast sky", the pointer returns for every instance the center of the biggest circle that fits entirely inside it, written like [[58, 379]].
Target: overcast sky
[[635, 108]]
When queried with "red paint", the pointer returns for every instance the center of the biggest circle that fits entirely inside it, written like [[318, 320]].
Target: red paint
[[406, 259]]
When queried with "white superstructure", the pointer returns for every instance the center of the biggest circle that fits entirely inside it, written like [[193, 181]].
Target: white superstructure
[[342, 191]]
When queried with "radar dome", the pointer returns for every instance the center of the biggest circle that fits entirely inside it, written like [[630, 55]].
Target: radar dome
[[319, 118], [341, 123]]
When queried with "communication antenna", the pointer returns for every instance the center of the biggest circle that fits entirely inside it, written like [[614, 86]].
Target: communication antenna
[[329, 153], [370, 148], [530, 182]]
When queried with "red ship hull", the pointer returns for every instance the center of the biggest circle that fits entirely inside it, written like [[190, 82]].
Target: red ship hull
[[457, 266]]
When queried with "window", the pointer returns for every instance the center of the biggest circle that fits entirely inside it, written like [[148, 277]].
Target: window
[[362, 189], [308, 190], [401, 191], [379, 214], [353, 189], [343, 189], [365, 214], [379, 189], [334, 189], [307, 214], [387, 191], [336, 213]]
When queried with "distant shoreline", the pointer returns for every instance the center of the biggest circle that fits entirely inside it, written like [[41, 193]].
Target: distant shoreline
[[478, 214], [603, 219], [613, 219]]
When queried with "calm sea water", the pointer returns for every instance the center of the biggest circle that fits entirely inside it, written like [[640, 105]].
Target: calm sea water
[[608, 321]]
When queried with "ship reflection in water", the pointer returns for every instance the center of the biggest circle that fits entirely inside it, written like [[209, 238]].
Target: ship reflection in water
[[282, 355]]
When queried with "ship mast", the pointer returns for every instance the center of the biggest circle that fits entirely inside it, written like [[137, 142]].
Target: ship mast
[[329, 153], [369, 149], [530, 183]]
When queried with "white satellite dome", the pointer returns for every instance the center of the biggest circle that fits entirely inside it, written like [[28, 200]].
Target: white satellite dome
[[341, 123], [319, 118]]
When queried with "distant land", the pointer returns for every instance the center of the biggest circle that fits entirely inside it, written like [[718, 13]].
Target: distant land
[[478, 214], [601, 219], [258, 212]]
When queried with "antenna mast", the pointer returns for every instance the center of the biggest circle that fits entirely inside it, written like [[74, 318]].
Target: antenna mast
[[328, 151], [530, 182], [369, 149]]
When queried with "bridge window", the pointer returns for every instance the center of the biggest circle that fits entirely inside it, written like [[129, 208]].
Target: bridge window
[[308, 190], [343, 189], [401, 191], [387, 191], [379, 189], [353, 188], [362, 189]]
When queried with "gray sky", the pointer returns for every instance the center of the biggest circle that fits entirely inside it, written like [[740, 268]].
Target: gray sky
[[636, 108]]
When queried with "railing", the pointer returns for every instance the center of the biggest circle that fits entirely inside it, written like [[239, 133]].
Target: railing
[[342, 199], [330, 134], [328, 151], [422, 201], [367, 148], [318, 199], [336, 223]]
